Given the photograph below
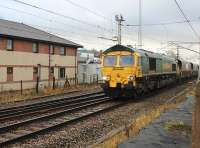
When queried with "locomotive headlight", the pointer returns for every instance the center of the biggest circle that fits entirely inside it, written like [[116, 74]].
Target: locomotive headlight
[[131, 78], [106, 78]]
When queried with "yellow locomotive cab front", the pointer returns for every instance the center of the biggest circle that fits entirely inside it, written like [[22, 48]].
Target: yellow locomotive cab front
[[119, 69]]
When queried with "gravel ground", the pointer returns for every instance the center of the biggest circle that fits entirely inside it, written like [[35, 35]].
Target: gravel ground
[[88, 132]]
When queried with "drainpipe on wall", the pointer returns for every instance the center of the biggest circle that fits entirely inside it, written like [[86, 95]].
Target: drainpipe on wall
[[49, 66], [76, 67], [39, 75]]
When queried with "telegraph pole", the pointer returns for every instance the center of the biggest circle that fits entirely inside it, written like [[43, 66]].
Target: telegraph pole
[[140, 25], [177, 56], [119, 19]]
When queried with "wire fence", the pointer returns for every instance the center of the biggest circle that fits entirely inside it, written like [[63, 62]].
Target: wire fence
[[54, 83]]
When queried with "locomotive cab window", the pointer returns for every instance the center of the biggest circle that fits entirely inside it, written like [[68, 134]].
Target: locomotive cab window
[[110, 60], [126, 60]]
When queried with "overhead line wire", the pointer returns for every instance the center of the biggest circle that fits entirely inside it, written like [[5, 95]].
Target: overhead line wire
[[159, 24], [186, 19], [87, 9], [61, 15], [43, 18]]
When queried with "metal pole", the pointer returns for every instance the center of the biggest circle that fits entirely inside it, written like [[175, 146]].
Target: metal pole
[[76, 67], [119, 19], [54, 80], [37, 85], [49, 66], [21, 87], [177, 53], [140, 25], [119, 32]]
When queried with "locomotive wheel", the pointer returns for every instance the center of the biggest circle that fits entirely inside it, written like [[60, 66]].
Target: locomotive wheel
[[113, 93]]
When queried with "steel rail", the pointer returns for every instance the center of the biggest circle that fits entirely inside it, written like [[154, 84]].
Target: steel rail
[[72, 108], [46, 107], [29, 134], [47, 101]]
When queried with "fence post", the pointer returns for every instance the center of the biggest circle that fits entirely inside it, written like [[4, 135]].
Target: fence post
[[97, 79], [37, 85], [67, 82], [93, 78], [75, 79], [83, 78], [21, 87], [90, 79], [54, 82]]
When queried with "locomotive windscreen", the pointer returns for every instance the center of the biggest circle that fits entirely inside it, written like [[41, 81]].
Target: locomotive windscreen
[[126, 60], [110, 60]]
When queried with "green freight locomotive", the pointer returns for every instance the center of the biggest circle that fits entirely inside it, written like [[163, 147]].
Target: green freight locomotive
[[128, 71]]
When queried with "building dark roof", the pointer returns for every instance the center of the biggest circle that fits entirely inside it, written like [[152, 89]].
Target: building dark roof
[[20, 30]]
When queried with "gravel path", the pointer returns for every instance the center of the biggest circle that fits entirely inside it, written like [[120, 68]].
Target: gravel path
[[87, 132]]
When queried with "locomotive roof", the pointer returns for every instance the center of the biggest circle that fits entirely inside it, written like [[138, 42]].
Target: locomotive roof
[[142, 52], [119, 48]]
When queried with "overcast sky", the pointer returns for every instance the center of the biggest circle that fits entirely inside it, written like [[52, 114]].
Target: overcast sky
[[86, 20]]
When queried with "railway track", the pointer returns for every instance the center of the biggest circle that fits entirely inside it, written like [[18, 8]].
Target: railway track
[[51, 115], [45, 106], [63, 115]]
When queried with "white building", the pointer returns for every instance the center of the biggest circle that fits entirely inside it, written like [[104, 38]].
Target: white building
[[88, 66]]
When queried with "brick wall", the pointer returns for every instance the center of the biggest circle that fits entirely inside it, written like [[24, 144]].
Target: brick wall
[[57, 50], [43, 48], [71, 51], [26, 46], [23, 46], [3, 42]]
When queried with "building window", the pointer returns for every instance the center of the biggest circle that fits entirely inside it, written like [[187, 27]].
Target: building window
[[9, 70], [51, 49], [35, 70], [9, 45], [62, 51], [61, 73], [52, 70], [35, 47], [9, 73]]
